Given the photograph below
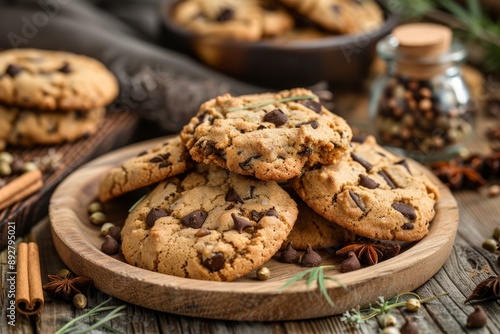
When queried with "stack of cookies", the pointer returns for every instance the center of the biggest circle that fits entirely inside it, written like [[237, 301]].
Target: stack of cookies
[[253, 20], [50, 97], [249, 174]]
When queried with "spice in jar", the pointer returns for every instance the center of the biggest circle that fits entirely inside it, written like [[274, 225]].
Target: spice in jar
[[422, 104]]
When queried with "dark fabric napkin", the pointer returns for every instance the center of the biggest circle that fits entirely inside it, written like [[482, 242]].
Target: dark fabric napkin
[[157, 83]]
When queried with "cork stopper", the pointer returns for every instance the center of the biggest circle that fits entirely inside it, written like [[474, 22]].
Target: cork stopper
[[422, 40]]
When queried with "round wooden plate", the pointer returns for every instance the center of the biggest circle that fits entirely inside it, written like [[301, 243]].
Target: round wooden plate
[[78, 243]]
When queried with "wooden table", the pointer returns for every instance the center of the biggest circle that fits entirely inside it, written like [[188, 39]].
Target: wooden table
[[467, 266]]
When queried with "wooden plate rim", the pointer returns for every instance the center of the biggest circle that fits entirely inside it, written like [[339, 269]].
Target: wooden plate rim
[[66, 232]]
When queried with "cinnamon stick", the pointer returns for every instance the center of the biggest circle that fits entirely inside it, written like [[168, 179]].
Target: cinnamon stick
[[29, 293], [20, 188]]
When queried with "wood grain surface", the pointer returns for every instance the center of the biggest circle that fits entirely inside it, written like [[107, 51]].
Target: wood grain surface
[[116, 130], [78, 243]]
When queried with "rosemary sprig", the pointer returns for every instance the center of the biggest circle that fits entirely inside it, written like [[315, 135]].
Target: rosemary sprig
[[72, 327], [265, 103], [136, 203], [355, 317], [317, 275]]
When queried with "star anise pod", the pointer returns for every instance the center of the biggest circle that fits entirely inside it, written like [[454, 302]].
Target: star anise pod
[[489, 289], [457, 175], [66, 287], [370, 252]]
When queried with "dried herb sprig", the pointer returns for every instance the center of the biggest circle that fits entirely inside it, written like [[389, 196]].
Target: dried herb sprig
[[355, 317], [72, 327], [316, 274], [265, 103]]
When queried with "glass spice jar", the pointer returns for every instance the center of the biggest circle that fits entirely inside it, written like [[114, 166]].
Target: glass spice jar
[[421, 105]]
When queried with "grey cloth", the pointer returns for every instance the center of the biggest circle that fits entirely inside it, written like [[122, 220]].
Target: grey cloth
[[156, 82]]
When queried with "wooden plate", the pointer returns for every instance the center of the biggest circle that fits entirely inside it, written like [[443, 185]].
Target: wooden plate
[[78, 244]]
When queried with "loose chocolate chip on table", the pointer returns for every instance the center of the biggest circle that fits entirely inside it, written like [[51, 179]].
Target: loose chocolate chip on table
[[154, 215], [357, 200], [195, 219], [13, 70], [405, 210], [310, 258], [313, 105], [277, 117], [350, 264], [215, 263], [232, 196], [387, 179], [289, 254], [110, 246], [239, 223], [368, 166], [367, 182]]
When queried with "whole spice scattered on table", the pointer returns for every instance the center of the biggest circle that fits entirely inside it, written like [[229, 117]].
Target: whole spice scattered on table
[[489, 289], [29, 293], [66, 287]]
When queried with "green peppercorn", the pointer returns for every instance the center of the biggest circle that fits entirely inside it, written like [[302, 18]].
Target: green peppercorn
[[98, 218], [29, 166], [64, 273], [105, 228], [413, 305], [7, 157], [95, 207], [79, 300], [263, 273], [5, 169], [490, 245]]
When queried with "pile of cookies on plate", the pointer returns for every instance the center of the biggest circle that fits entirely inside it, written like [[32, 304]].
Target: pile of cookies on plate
[[249, 174], [253, 20], [50, 97]]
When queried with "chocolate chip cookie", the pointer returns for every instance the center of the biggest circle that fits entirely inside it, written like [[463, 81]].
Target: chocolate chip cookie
[[270, 136], [53, 80], [208, 224], [371, 192], [234, 19], [154, 165], [24, 127], [340, 16]]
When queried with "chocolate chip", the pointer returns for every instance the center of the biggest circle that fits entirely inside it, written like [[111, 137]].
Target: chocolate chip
[[245, 165], [404, 163], [314, 124], [195, 219], [202, 232], [65, 68], [162, 160], [261, 127], [226, 14], [208, 148], [272, 213], [368, 166], [350, 264], [232, 196], [239, 223], [215, 263], [256, 216], [310, 258], [405, 210], [13, 70], [289, 254], [110, 246], [367, 182], [142, 153], [407, 226], [357, 200], [313, 105], [154, 215], [115, 232], [336, 8], [387, 179], [277, 117]]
